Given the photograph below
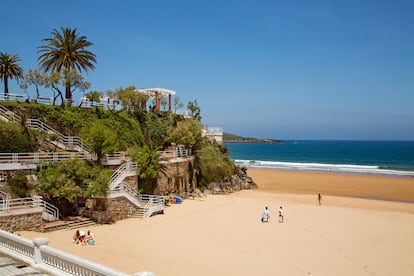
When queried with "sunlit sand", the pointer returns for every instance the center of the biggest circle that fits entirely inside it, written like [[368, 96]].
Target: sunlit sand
[[223, 235]]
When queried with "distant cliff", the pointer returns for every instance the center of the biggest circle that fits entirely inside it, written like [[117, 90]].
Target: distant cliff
[[232, 138]]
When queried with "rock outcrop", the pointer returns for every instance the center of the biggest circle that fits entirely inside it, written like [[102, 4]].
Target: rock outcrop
[[237, 182]]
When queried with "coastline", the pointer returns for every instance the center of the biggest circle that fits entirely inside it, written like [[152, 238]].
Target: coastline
[[378, 187], [223, 235]]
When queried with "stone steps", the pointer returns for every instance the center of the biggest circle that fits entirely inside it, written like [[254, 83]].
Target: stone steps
[[73, 223]]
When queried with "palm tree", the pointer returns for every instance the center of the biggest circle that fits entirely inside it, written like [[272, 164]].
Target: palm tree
[[9, 68], [66, 51]]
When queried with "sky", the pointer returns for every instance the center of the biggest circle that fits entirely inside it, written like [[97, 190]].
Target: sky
[[333, 69]]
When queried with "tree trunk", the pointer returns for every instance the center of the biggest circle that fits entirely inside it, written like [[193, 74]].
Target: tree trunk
[[68, 93], [6, 88]]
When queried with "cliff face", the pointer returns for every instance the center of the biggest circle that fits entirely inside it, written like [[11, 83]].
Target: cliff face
[[237, 182]]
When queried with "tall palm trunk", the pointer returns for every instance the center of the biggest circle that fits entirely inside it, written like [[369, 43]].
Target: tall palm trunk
[[6, 87], [68, 93]]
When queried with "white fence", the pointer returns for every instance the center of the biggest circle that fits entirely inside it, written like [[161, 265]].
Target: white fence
[[50, 212], [71, 142], [39, 157], [38, 254]]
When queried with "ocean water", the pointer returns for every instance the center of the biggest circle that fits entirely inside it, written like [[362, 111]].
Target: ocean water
[[363, 157]]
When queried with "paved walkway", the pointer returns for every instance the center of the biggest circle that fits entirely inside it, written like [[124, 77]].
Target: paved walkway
[[11, 267]]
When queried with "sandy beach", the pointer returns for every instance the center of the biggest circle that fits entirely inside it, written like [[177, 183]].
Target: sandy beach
[[348, 234]]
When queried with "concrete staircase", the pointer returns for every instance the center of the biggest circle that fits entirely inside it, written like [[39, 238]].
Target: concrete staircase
[[139, 213]]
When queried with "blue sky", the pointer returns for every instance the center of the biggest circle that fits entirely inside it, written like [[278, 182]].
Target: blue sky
[[275, 69]]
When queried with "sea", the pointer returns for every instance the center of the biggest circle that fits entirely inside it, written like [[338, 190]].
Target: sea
[[393, 158]]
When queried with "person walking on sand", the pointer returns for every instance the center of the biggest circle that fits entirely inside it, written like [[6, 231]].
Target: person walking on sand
[[266, 216], [319, 199], [280, 214]]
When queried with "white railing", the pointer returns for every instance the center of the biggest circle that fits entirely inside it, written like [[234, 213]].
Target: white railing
[[153, 203], [21, 204], [12, 97], [150, 203], [38, 254], [177, 152], [9, 115], [39, 157], [68, 141], [4, 201], [125, 170], [115, 158], [128, 192]]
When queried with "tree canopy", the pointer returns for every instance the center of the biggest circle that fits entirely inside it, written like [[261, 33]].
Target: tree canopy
[[66, 52], [9, 69]]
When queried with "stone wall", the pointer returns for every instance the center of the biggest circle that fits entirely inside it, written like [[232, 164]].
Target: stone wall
[[18, 222], [120, 208], [176, 177]]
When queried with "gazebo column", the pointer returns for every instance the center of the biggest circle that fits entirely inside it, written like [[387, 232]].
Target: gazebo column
[[169, 103], [157, 101]]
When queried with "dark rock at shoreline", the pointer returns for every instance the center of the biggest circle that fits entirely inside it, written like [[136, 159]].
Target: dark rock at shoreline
[[237, 182], [254, 140]]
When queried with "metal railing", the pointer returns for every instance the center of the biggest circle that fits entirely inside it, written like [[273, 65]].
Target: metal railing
[[125, 170], [153, 203], [9, 115], [39, 157], [70, 142], [50, 211], [38, 254], [177, 152], [149, 203]]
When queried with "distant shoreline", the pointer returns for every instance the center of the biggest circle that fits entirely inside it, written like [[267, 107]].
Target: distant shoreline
[[254, 141]]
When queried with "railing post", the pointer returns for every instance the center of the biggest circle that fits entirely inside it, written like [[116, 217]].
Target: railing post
[[38, 242], [36, 201]]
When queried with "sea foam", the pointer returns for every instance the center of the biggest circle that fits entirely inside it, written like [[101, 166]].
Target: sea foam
[[335, 168]]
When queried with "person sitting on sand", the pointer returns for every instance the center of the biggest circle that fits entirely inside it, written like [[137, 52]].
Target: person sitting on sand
[[90, 238], [76, 237], [280, 214], [82, 237], [266, 216]]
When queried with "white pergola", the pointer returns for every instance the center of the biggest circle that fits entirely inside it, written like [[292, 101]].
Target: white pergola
[[157, 94]]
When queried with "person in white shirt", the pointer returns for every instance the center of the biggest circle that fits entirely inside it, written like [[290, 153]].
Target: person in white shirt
[[266, 216]]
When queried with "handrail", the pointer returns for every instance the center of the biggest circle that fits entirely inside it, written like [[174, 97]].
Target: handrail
[[150, 203], [70, 141], [39, 157], [126, 169], [177, 152], [29, 203], [9, 115]]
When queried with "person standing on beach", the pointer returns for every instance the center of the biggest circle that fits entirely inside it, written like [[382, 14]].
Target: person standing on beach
[[280, 214], [319, 199], [266, 216]]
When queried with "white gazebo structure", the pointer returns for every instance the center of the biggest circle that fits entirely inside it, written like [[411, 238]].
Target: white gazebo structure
[[157, 94]]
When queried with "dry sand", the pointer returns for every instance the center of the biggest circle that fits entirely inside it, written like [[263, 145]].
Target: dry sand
[[223, 235]]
